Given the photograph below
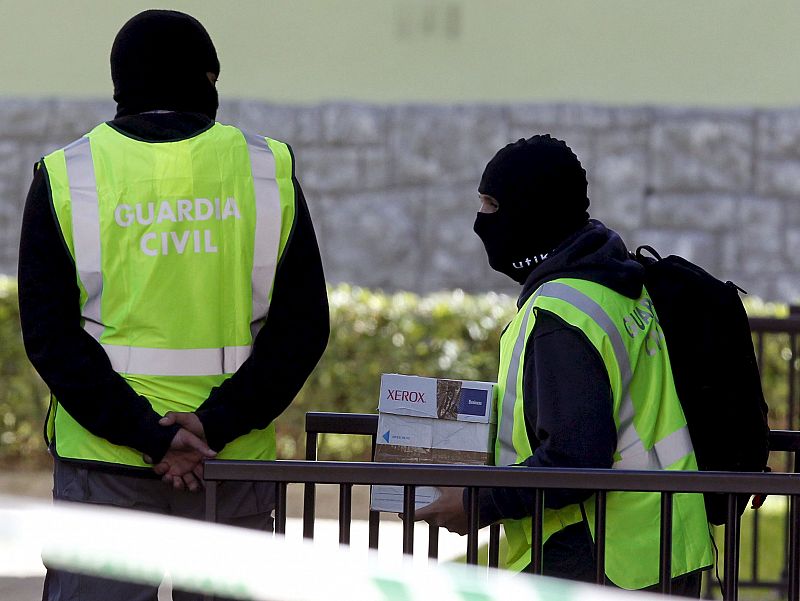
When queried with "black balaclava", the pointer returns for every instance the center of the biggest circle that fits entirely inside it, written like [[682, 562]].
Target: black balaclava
[[541, 191], [159, 61]]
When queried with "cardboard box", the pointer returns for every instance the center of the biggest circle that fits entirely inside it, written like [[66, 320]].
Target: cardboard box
[[425, 420]]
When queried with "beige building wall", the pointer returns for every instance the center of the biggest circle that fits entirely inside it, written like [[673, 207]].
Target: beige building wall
[[683, 113], [709, 53]]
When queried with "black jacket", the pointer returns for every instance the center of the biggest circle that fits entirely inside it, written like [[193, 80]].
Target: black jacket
[[77, 370], [566, 392]]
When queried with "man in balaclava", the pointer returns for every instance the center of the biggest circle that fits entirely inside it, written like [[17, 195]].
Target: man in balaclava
[[582, 356], [162, 299], [164, 61], [540, 207]]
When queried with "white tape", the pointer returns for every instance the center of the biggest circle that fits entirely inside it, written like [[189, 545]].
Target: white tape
[[246, 564]]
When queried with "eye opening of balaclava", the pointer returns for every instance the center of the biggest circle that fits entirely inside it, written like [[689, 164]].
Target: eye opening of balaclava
[[541, 190], [159, 61]]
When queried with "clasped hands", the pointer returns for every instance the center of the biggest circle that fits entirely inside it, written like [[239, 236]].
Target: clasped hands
[[182, 464]]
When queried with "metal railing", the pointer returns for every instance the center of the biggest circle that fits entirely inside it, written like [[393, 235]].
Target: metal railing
[[666, 483], [366, 425]]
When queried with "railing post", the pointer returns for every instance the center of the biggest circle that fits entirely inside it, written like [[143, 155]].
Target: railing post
[[309, 490], [472, 526], [665, 559], [756, 535], [409, 503], [280, 507], [494, 545], [600, 536], [373, 525], [433, 542], [535, 566], [793, 592], [794, 518], [792, 373], [211, 500], [730, 584], [345, 512], [374, 516]]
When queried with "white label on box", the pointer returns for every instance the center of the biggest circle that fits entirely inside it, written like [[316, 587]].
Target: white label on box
[[421, 432], [408, 395], [460, 436], [390, 498], [405, 431]]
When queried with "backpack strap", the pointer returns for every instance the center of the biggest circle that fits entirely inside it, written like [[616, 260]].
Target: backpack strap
[[652, 251]]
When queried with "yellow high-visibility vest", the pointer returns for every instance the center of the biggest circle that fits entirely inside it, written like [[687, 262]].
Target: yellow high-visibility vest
[[175, 247], [651, 431]]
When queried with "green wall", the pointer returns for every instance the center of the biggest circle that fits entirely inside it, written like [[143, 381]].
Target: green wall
[[688, 52]]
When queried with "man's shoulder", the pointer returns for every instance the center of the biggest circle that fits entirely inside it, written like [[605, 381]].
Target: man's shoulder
[[249, 133], [72, 143]]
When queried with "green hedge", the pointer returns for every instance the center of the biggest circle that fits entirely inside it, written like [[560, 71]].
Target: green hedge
[[23, 396], [448, 334]]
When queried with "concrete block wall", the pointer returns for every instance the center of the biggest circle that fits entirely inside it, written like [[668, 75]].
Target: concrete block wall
[[392, 189]]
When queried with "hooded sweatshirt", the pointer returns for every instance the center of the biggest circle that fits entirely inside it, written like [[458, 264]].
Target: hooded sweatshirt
[[567, 395]]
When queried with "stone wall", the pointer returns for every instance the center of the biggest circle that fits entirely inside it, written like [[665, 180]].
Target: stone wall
[[392, 189]]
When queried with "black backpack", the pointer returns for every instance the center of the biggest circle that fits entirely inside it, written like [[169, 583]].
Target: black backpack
[[714, 366]]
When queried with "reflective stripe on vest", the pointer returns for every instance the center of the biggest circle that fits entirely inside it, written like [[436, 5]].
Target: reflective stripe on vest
[[86, 236], [633, 455], [268, 226], [86, 230], [176, 362], [508, 454]]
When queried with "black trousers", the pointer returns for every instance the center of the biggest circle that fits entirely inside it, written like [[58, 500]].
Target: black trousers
[[569, 554], [244, 504]]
